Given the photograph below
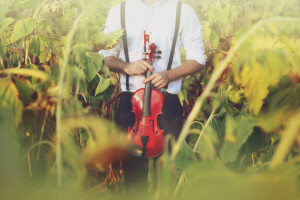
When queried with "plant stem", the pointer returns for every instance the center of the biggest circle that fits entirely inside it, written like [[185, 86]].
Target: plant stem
[[29, 165], [40, 143], [287, 140], [28, 72], [42, 132], [27, 42], [59, 134], [211, 116]]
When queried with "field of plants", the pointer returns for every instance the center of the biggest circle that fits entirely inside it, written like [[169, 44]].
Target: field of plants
[[241, 137]]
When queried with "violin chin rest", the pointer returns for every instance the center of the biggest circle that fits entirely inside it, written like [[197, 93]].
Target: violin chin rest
[[135, 150]]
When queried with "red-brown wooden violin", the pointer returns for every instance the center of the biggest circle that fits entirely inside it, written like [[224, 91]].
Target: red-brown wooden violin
[[147, 103]]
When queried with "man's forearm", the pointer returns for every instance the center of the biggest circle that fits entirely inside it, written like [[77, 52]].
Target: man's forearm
[[115, 64], [135, 68], [161, 79], [188, 68]]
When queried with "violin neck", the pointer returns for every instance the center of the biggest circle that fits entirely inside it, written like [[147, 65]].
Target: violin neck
[[147, 96]]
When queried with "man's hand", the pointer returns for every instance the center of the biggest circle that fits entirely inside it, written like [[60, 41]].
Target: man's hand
[[137, 68], [158, 80]]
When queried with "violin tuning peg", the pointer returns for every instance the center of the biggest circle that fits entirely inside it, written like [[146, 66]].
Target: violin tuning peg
[[158, 57], [158, 52]]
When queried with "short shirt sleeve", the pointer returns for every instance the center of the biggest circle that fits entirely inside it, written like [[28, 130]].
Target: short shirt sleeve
[[191, 35], [112, 24]]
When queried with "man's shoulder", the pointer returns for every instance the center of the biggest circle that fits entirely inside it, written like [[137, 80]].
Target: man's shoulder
[[115, 9], [186, 7]]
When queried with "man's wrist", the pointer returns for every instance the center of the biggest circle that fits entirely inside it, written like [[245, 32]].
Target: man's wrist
[[167, 75], [124, 67]]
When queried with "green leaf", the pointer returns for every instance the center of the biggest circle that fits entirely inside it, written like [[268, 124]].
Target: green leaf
[[237, 132], [107, 94], [285, 95], [22, 28], [113, 39], [113, 80], [93, 64], [207, 144], [34, 45], [282, 101], [38, 46], [102, 85], [44, 27], [42, 56], [257, 68], [9, 97], [109, 40], [214, 39], [185, 157], [5, 23], [26, 91]]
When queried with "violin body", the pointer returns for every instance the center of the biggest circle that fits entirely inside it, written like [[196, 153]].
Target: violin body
[[146, 127], [146, 138]]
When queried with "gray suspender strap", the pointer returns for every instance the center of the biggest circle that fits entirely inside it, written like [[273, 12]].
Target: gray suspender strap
[[178, 15], [124, 38]]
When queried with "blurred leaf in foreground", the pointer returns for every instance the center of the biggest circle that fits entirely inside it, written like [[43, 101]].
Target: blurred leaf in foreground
[[12, 177], [214, 181]]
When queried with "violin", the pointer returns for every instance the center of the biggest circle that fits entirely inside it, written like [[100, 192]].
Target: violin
[[145, 135]]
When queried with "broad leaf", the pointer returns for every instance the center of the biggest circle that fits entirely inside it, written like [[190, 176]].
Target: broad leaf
[[102, 85], [38, 46], [185, 157], [285, 95], [237, 132], [282, 101], [206, 146], [9, 97], [107, 94], [26, 91], [22, 28], [113, 39], [258, 70], [107, 41], [5, 23], [93, 64], [44, 27]]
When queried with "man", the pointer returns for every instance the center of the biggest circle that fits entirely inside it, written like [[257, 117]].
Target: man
[[157, 18]]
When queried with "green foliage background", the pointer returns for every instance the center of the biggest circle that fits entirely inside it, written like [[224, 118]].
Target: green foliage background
[[241, 137]]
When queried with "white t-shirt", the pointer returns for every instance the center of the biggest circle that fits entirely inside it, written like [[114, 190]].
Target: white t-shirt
[[158, 20]]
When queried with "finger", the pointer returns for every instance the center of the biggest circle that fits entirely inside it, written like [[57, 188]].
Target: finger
[[156, 80], [159, 84], [137, 71], [142, 69], [150, 78], [142, 66], [146, 64]]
